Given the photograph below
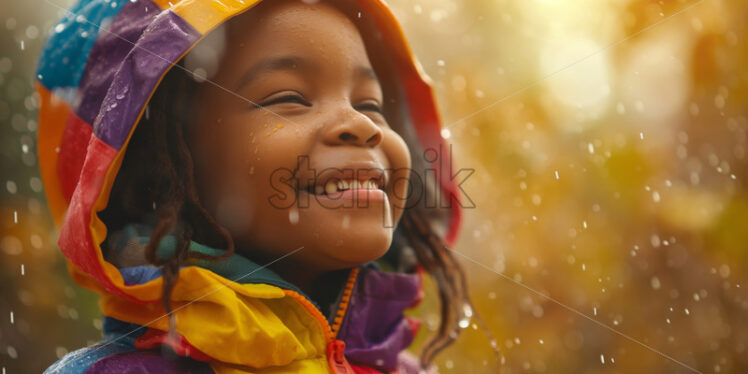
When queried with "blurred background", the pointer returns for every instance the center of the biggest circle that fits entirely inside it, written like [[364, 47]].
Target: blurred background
[[608, 140]]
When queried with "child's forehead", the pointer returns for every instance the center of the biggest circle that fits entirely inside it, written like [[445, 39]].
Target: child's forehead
[[292, 15], [291, 33]]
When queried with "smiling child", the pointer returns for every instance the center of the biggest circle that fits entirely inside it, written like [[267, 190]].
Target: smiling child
[[250, 186]]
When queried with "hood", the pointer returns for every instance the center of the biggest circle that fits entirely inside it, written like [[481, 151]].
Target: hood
[[100, 65]]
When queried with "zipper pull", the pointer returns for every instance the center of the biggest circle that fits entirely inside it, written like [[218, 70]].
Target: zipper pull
[[336, 358]]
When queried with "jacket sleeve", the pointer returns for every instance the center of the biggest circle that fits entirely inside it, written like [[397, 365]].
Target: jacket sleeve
[[78, 361]]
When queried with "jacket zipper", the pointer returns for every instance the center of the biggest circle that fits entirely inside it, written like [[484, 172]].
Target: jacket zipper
[[335, 347]]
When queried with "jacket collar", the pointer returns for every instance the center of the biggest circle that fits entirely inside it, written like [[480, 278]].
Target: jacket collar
[[366, 311]]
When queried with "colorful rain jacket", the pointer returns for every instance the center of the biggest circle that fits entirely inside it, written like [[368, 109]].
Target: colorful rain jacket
[[100, 66]]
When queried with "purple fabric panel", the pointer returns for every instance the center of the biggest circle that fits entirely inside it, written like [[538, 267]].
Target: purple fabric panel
[[114, 43], [374, 329], [161, 45], [147, 362]]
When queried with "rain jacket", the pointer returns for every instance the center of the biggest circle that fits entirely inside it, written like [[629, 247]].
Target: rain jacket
[[100, 66]]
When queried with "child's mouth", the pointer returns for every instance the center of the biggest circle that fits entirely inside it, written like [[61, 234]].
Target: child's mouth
[[335, 186], [365, 184]]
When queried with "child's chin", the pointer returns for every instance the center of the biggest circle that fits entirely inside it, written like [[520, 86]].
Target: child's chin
[[366, 247]]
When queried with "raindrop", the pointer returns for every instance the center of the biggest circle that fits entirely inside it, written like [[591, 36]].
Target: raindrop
[[602, 359], [346, 221], [36, 184], [656, 197], [557, 175], [590, 148], [15, 216], [12, 352], [10, 23], [11, 186], [23, 45], [446, 133], [724, 270], [23, 269], [120, 96], [641, 135], [32, 32], [467, 312], [655, 241], [655, 283], [12, 319], [60, 28], [293, 216], [60, 351]]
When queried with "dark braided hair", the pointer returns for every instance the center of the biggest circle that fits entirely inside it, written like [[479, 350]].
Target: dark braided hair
[[156, 185]]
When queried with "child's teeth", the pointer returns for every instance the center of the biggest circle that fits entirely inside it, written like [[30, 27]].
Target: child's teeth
[[343, 185], [331, 187], [355, 184], [318, 189], [370, 184]]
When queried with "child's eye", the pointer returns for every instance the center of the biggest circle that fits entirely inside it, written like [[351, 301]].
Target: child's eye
[[370, 107], [294, 98]]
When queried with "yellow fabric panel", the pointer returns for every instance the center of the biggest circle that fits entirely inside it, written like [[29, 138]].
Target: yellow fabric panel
[[53, 116], [316, 365], [277, 330], [264, 339], [166, 4], [307, 330], [206, 14]]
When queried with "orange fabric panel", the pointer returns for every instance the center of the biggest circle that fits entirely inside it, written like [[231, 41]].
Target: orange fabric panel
[[53, 115]]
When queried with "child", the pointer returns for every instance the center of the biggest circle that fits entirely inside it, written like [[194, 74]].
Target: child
[[270, 213]]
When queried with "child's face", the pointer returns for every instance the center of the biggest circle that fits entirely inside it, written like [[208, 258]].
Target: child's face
[[306, 64]]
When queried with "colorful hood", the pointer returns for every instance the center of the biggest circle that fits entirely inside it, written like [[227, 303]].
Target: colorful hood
[[100, 66]]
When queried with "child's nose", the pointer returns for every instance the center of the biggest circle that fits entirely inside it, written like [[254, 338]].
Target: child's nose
[[354, 128]]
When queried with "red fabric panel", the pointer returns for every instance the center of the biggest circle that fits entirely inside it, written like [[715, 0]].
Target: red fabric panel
[[75, 240], [72, 153], [153, 339]]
